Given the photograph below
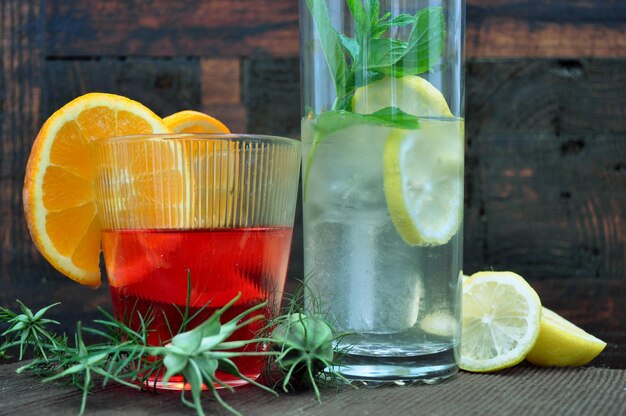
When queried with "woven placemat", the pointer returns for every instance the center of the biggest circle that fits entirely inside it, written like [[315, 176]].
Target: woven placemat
[[523, 390]]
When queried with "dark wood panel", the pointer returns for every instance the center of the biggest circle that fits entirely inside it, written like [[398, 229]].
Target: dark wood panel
[[546, 28], [221, 81], [271, 92], [607, 12], [22, 25], [546, 96], [545, 167], [221, 96], [226, 28], [223, 28], [163, 85], [550, 212]]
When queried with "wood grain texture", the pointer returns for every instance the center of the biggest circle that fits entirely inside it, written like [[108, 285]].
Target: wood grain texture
[[577, 96], [546, 155], [22, 25], [163, 85], [227, 28], [271, 92], [211, 28], [546, 28], [522, 390], [509, 37], [221, 81]]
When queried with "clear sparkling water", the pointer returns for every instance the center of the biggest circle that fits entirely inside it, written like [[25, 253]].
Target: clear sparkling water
[[372, 283]]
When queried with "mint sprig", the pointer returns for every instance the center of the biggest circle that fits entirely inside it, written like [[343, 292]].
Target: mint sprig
[[370, 54]]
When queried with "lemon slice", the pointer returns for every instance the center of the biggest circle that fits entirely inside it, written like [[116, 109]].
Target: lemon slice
[[439, 323], [501, 321], [423, 168], [561, 343], [423, 181], [411, 94]]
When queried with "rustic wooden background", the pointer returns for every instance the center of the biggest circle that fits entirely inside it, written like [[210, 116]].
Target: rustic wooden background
[[546, 125]]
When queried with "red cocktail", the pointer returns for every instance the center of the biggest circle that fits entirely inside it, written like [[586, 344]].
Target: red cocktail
[[193, 221]]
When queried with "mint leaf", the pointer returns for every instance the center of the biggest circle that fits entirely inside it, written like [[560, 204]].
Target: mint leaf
[[351, 45], [361, 20], [384, 23], [424, 46], [331, 44], [373, 8], [335, 120], [401, 20], [394, 117], [384, 52]]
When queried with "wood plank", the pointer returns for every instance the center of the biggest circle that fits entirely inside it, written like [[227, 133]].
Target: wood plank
[[221, 81], [546, 28], [221, 92], [545, 167], [546, 96], [523, 389], [593, 304], [496, 37], [577, 11], [223, 28], [550, 213], [226, 28], [271, 92], [22, 25], [163, 85]]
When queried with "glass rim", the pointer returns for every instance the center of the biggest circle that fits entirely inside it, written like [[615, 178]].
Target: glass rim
[[158, 137]]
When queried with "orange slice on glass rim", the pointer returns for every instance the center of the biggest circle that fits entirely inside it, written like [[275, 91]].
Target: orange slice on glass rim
[[59, 201], [189, 121], [215, 195]]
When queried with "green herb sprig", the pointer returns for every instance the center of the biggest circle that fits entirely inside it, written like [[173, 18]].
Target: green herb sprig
[[305, 340], [302, 348], [370, 55], [125, 356]]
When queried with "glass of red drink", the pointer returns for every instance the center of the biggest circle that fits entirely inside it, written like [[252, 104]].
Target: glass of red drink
[[192, 220]]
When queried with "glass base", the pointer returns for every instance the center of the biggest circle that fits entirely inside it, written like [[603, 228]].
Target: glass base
[[377, 370], [176, 383]]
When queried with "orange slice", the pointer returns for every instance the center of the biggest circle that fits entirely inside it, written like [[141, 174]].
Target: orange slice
[[189, 121], [59, 201], [214, 171]]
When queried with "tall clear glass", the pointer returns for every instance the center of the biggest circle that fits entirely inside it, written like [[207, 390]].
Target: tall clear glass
[[383, 150], [189, 222]]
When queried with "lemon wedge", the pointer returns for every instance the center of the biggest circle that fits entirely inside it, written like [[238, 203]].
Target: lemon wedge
[[501, 321], [562, 344]]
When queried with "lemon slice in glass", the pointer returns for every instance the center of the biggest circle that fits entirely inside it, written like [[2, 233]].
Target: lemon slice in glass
[[423, 168], [561, 343], [411, 94], [423, 181], [501, 321]]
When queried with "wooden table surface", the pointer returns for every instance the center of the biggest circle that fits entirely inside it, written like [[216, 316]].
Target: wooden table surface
[[522, 390]]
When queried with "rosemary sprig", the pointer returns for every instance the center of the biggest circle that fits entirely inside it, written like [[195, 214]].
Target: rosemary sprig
[[302, 347], [125, 356]]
